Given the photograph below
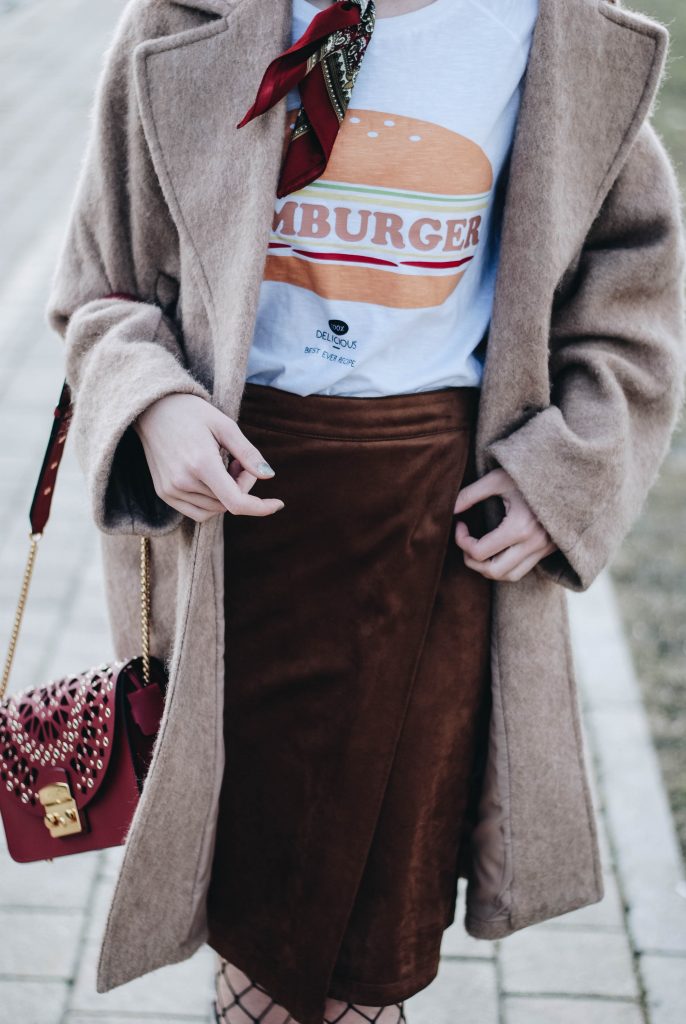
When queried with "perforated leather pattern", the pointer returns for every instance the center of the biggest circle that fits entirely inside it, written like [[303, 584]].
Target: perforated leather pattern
[[68, 722]]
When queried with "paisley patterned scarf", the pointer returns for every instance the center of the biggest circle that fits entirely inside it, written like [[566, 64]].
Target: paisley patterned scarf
[[324, 63]]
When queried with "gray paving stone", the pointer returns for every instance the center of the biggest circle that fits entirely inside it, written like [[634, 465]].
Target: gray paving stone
[[606, 854], [463, 991], [48, 588], [565, 961], [112, 862], [457, 941], [32, 1002], [65, 882], [42, 944], [76, 651], [603, 659], [636, 806], [665, 982], [570, 1011], [39, 628], [126, 1018], [606, 913], [658, 921], [639, 816], [184, 989], [101, 897]]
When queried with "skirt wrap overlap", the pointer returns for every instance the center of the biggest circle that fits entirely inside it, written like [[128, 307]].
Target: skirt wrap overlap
[[357, 698]]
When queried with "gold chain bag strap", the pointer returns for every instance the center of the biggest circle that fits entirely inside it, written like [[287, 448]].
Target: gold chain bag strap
[[74, 753]]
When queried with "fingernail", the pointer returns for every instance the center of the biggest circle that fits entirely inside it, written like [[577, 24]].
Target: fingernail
[[264, 469]]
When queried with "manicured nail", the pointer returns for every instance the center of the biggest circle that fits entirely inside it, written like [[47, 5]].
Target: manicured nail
[[264, 469]]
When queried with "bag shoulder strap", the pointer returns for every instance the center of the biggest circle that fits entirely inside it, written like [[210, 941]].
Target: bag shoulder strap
[[42, 497], [39, 514], [45, 486]]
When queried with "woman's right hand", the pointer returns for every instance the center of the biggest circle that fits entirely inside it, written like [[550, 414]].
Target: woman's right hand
[[183, 437]]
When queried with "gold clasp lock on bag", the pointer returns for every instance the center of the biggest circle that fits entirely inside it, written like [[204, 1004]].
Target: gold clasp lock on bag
[[61, 813]]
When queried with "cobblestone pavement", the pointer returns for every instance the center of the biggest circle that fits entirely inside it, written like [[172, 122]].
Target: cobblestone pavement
[[621, 961], [650, 570]]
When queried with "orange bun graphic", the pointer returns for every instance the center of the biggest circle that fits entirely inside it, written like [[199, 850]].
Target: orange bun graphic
[[394, 220]]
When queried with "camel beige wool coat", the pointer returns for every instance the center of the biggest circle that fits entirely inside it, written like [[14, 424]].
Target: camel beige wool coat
[[583, 384]]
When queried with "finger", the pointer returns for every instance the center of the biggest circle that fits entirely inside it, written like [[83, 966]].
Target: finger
[[210, 504], [508, 561], [494, 482], [519, 566], [245, 480], [230, 436], [235, 468], [234, 500], [511, 564], [193, 491], [487, 568], [528, 564], [188, 484], [200, 515], [185, 483], [505, 534], [200, 488]]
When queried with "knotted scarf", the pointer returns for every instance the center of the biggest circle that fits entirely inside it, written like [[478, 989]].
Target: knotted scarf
[[324, 64]]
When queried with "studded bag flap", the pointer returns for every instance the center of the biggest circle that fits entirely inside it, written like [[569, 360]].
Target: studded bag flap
[[74, 753]]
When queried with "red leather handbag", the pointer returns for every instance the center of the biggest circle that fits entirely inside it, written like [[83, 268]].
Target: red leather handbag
[[74, 753]]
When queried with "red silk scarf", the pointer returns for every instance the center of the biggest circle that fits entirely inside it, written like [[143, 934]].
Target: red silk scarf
[[324, 64]]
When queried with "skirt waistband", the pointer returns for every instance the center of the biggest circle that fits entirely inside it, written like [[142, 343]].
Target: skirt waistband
[[335, 416]]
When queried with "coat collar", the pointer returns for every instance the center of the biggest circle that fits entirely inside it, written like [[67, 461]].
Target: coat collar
[[593, 72]]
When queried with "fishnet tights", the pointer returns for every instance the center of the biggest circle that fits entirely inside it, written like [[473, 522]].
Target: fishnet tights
[[242, 1001]]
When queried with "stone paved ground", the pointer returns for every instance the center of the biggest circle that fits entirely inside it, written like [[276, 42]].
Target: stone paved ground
[[650, 572], [621, 961]]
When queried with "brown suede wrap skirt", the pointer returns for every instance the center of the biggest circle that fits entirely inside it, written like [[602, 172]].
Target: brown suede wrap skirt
[[357, 698]]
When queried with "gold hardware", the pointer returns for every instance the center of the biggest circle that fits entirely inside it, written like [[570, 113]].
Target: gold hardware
[[61, 813], [19, 614], [145, 606], [23, 594]]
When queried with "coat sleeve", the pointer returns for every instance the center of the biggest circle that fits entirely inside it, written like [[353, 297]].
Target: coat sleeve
[[121, 354], [586, 462]]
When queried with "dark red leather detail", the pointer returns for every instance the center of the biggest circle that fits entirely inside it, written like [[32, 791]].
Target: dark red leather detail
[[122, 295], [79, 730], [42, 497], [146, 707], [94, 731], [69, 723]]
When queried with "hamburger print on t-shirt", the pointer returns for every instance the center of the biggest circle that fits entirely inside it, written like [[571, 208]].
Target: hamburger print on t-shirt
[[379, 275], [395, 218]]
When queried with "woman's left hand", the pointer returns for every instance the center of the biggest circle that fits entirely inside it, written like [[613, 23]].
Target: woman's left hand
[[517, 543]]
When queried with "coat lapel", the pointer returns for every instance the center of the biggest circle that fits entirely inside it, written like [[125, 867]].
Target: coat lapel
[[592, 74], [219, 181]]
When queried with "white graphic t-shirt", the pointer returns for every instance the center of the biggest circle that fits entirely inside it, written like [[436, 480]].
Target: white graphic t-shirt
[[380, 274]]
